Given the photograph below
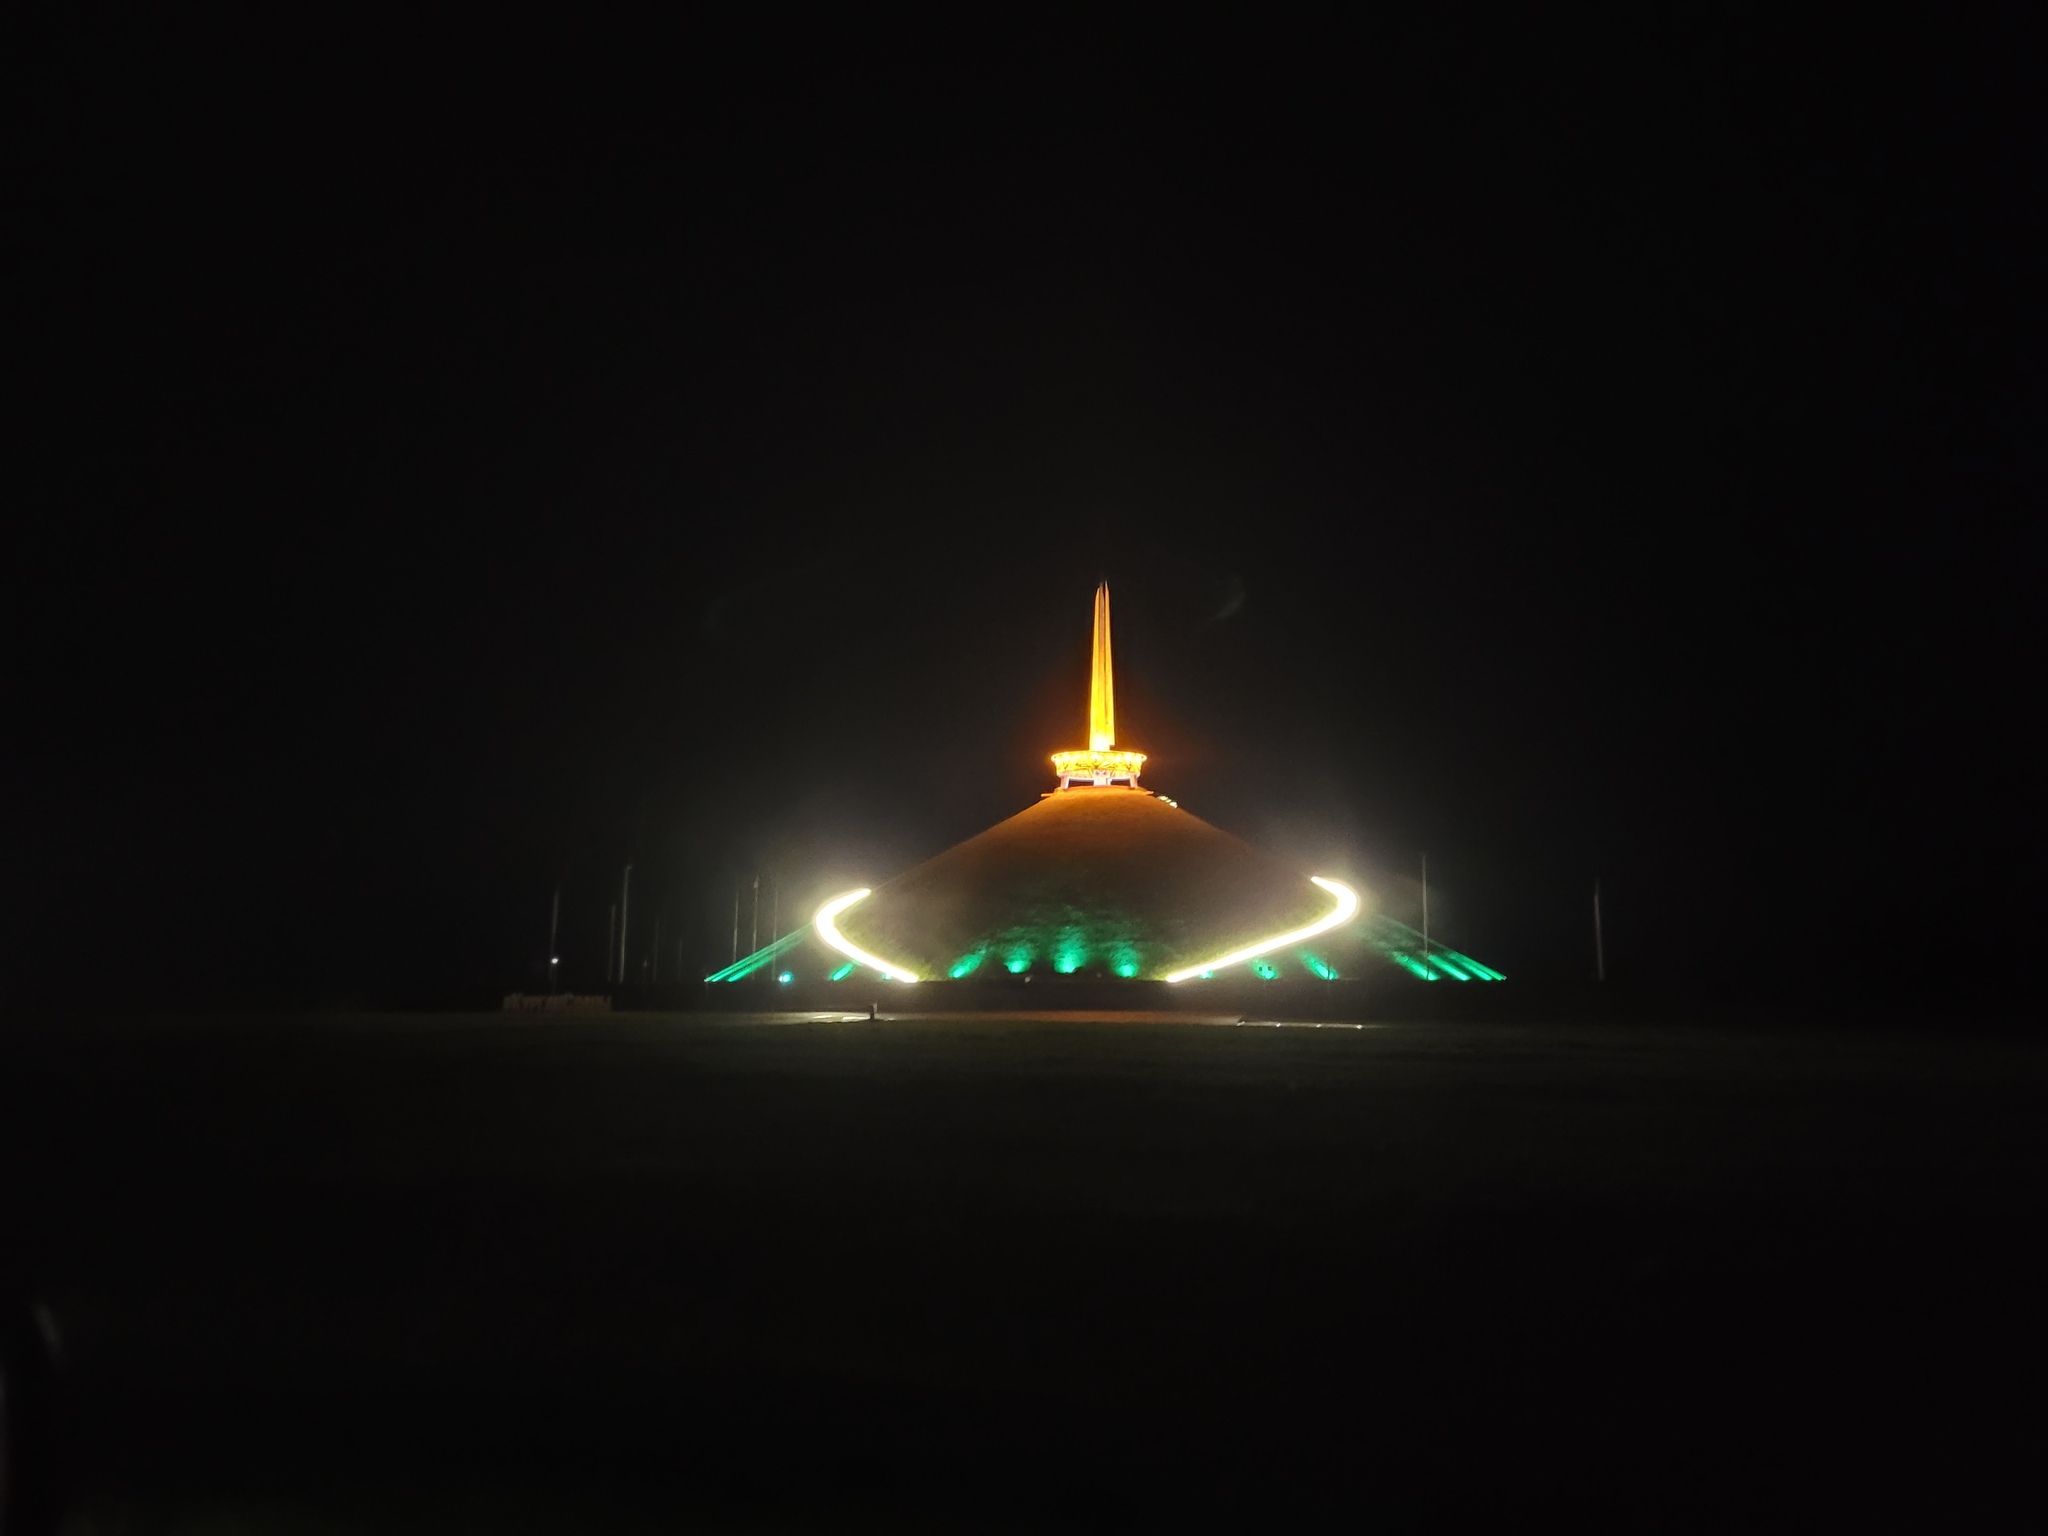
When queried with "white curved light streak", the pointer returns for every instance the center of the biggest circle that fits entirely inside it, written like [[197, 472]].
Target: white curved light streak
[[1347, 908], [846, 947]]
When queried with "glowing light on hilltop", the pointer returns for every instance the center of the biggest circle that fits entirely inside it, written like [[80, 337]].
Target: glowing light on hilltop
[[1099, 767], [832, 936], [1346, 909]]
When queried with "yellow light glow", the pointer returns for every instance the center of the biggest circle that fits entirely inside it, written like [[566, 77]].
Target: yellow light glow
[[1084, 765], [1102, 681], [831, 935], [1347, 908]]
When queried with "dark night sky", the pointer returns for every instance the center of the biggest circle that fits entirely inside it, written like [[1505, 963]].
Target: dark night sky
[[454, 461]]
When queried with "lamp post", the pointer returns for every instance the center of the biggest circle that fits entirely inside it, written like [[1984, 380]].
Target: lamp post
[[554, 926], [1425, 917], [1599, 940], [625, 898]]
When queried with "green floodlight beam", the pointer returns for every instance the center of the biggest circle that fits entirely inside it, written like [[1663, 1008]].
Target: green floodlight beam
[[746, 965], [1443, 960]]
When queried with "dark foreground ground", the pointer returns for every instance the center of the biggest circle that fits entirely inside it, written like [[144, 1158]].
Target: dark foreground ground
[[439, 1274]]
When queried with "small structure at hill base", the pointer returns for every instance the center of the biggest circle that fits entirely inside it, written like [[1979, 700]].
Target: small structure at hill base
[[1102, 879], [555, 1002]]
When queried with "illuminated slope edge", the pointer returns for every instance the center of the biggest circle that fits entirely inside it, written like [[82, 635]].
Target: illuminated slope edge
[[832, 936], [1346, 909]]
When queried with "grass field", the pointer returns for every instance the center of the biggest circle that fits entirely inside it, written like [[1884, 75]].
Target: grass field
[[682, 1272]]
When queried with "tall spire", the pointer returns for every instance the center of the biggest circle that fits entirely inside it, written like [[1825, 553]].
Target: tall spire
[[1102, 685], [1101, 764]]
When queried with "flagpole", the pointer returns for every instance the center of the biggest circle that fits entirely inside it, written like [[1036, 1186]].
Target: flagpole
[[1425, 912], [625, 901], [1599, 940]]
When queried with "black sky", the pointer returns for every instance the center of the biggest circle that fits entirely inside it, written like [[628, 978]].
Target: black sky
[[455, 459]]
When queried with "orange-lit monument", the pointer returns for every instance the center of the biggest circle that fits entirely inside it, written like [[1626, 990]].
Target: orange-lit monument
[[1101, 878]]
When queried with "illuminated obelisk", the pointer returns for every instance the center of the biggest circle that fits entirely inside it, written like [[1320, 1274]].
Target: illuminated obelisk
[[1101, 763], [1102, 681]]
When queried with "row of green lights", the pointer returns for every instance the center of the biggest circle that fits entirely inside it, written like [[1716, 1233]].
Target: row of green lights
[[1439, 966], [846, 970], [1125, 964], [1067, 959], [841, 974]]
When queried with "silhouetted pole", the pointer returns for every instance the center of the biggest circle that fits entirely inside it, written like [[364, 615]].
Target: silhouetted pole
[[1425, 912], [774, 911], [611, 935], [554, 926], [1599, 943], [755, 937], [735, 922], [625, 900]]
